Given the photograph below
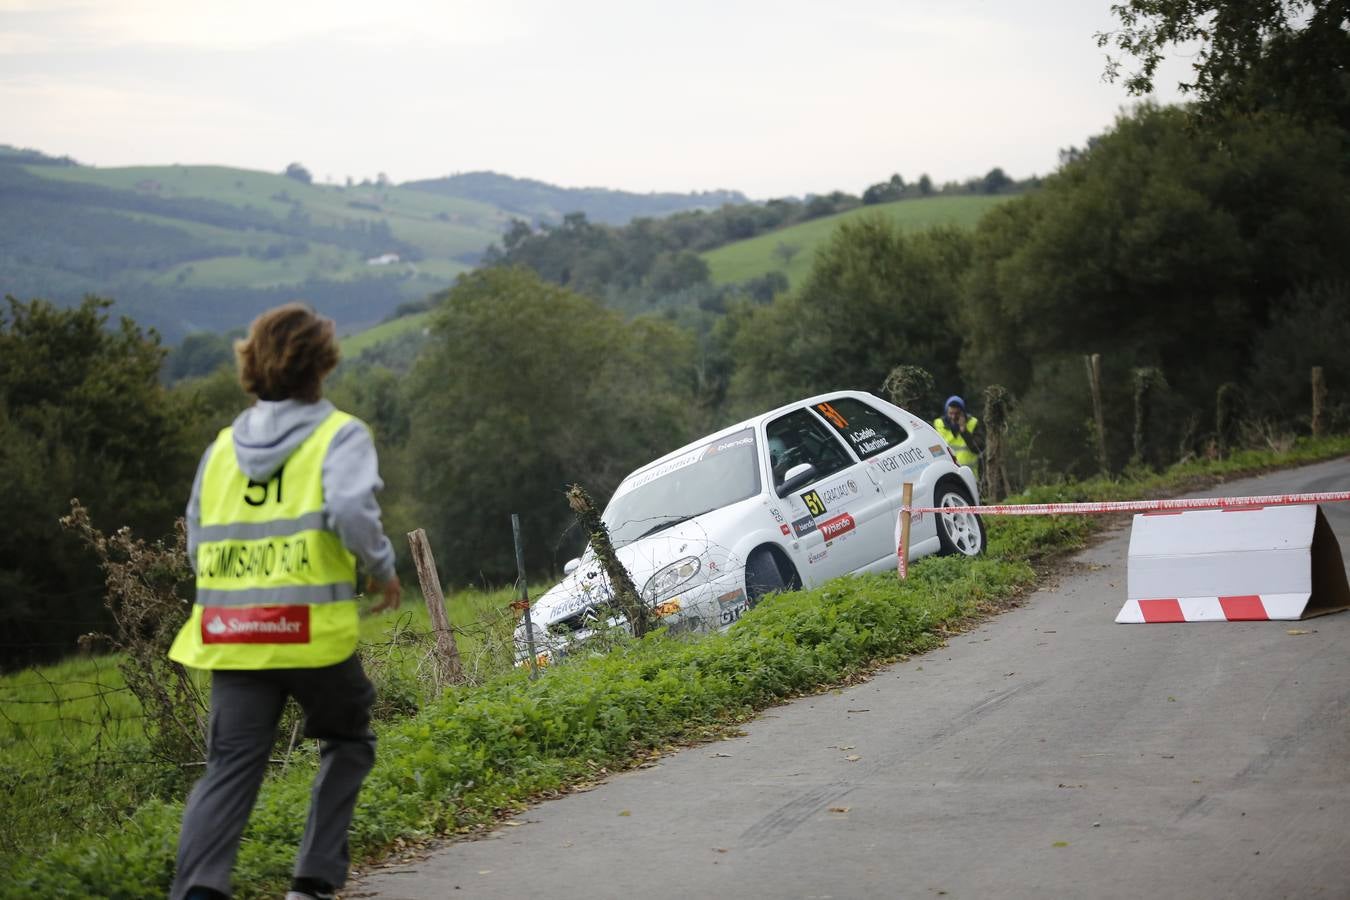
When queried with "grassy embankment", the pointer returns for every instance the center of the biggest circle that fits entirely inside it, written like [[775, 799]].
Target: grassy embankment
[[760, 255], [476, 752]]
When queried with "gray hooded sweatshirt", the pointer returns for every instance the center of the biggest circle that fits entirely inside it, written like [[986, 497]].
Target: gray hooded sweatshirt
[[265, 436]]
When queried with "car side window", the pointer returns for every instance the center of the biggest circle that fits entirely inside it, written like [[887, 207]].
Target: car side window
[[867, 430], [799, 438]]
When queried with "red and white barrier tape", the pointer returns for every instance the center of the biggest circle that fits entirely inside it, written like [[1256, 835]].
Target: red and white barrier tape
[[1120, 506], [1161, 507]]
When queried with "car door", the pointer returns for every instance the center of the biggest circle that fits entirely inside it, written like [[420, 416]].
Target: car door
[[893, 453], [840, 519]]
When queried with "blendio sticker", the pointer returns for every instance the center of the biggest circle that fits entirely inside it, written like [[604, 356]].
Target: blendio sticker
[[837, 527], [255, 624], [803, 526]]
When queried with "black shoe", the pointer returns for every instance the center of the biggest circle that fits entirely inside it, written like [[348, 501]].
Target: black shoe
[[310, 889], [197, 892]]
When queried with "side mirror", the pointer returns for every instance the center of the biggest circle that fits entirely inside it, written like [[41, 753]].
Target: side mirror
[[795, 477], [571, 566]]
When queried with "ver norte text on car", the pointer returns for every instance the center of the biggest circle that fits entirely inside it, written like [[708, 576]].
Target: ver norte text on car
[[787, 499]]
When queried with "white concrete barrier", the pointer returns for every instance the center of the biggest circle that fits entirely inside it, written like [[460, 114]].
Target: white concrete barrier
[[1232, 565]]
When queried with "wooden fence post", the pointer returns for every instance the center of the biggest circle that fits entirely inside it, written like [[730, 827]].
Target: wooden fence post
[[446, 666], [523, 604], [1319, 400], [1094, 373], [906, 498]]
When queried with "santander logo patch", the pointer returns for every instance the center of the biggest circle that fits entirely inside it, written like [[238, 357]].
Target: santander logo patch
[[839, 525], [255, 625]]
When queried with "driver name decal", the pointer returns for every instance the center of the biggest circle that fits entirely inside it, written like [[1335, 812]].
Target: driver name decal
[[867, 440]]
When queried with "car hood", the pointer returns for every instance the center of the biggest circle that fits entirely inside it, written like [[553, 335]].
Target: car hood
[[708, 538]]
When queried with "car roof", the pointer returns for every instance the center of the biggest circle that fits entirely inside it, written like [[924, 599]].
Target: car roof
[[761, 417]]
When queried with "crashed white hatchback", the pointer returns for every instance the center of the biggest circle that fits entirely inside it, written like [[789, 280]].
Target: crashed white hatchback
[[787, 499]]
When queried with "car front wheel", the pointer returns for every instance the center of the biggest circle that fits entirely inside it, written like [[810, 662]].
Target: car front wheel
[[959, 530], [762, 575]]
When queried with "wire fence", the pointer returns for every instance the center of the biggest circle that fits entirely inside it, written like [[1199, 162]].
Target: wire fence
[[78, 748]]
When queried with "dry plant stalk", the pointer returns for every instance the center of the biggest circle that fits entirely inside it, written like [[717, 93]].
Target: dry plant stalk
[[909, 387], [146, 587], [997, 401], [621, 585]]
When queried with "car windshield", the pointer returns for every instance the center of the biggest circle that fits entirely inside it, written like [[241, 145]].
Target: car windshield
[[710, 477]]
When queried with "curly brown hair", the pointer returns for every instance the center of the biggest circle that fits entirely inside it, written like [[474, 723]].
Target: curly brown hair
[[288, 353]]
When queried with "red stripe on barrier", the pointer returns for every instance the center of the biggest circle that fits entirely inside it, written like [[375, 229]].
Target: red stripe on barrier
[[1246, 608], [1161, 610], [1243, 508], [1166, 512]]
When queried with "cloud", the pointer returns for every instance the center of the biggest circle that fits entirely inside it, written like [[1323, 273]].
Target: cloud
[[244, 24]]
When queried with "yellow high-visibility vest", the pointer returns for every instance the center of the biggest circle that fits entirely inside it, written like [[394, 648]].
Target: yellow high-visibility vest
[[275, 588], [964, 455]]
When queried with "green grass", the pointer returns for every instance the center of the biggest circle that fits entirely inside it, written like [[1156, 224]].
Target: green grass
[[479, 751], [362, 341], [73, 754], [758, 256]]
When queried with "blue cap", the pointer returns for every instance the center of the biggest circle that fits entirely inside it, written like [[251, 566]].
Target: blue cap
[[954, 400]]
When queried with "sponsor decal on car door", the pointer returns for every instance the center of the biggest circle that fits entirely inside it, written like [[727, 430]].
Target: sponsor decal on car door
[[842, 523]]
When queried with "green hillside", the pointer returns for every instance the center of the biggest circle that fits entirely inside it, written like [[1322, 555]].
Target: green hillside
[[205, 248], [760, 255], [356, 344], [538, 201], [187, 248]]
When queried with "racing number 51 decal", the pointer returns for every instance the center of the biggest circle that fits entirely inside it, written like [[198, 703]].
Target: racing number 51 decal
[[814, 505]]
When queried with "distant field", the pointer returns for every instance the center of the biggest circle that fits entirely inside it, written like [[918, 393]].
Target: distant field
[[758, 256], [359, 343]]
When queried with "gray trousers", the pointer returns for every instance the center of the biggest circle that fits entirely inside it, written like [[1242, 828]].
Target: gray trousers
[[245, 709]]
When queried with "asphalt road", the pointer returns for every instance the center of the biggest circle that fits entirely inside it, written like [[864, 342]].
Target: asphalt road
[[1050, 753]]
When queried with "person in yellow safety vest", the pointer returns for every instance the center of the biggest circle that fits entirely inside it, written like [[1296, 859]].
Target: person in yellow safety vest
[[958, 430], [282, 508]]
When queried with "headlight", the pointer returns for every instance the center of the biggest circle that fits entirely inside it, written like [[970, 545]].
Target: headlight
[[670, 579]]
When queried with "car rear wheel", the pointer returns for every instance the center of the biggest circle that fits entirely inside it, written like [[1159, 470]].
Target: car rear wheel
[[959, 530]]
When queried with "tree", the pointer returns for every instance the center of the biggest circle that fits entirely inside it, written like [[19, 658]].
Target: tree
[[200, 353], [785, 251], [1288, 54], [299, 173], [994, 181], [525, 388], [925, 184], [884, 191], [82, 414], [875, 298], [1162, 245], [671, 272]]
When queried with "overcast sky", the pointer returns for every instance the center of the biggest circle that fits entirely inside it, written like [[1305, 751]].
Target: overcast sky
[[770, 98]]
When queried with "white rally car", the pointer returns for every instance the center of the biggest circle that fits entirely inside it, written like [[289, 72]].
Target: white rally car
[[787, 499]]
